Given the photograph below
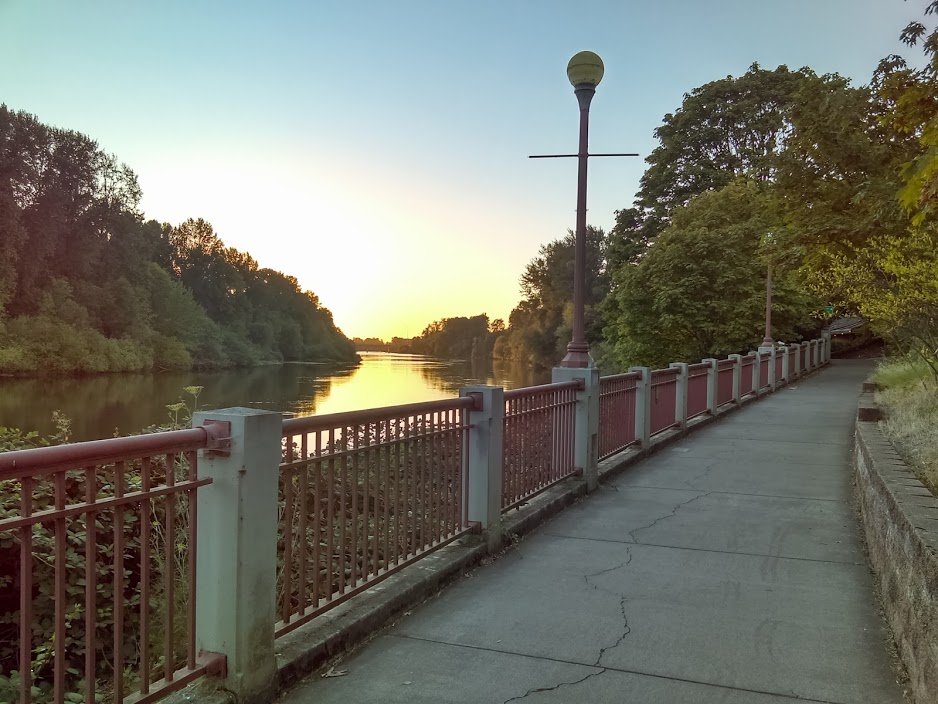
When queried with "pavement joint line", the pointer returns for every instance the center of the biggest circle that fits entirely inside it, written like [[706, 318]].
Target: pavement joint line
[[651, 460], [785, 441], [609, 668], [735, 493], [721, 552]]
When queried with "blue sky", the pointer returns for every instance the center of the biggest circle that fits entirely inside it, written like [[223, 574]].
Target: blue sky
[[378, 150]]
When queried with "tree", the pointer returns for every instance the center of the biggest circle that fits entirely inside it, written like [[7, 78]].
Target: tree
[[724, 129], [699, 291], [538, 327]]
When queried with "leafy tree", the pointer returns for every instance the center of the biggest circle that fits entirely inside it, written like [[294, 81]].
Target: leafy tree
[[699, 291], [539, 326]]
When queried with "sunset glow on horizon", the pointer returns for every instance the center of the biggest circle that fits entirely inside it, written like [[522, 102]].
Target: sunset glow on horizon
[[378, 151]]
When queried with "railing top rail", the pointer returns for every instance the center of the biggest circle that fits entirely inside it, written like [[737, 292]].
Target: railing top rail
[[543, 388], [751, 357], [670, 371], [627, 376], [45, 460], [308, 424], [726, 363], [699, 367]]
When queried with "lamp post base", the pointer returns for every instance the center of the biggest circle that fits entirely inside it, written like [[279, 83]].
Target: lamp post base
[[578, 356]]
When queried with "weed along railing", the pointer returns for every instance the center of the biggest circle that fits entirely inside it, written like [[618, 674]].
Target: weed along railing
[[538, 437], [364, 494], [133, 566], [106, 536]]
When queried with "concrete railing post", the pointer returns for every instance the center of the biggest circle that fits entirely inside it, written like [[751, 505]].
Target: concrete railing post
[[771, 362], [816, 353], [680, 394], [586, 443], [826, 337], [786, 371], [643, 406], [796, 359], [807, 357], [712, 381], [737, 377], [236, 564], [485, 451]]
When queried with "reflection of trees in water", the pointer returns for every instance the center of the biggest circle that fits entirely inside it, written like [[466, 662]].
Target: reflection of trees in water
[[452, 374], [127, 403]]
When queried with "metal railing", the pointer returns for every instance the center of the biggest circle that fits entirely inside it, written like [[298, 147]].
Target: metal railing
[[725, 372], [663, 399], [106, 538], [765, 359], [745, 375], [617, 396], [697, 384], [540, 422], [363, 494]]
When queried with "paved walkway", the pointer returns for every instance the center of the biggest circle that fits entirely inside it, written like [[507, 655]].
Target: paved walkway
[[726, 569]]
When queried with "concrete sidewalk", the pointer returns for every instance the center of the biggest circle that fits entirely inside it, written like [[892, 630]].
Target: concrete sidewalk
[[727, 568]]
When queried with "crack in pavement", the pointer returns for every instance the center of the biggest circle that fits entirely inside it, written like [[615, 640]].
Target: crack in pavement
[[692, 482], [555, 687], [661, 518], [623, 600], [626, 630]]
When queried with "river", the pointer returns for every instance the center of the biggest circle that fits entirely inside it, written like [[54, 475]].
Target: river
[[110, 404]]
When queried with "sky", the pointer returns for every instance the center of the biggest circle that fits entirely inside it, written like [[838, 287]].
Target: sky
[[377, 150]]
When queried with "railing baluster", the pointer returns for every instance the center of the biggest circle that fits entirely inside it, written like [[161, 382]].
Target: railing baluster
[[26, 592], [91, 582], [192, 543], [61, 578], [118, 584], [145, 485], [304, 530], [169, 504]]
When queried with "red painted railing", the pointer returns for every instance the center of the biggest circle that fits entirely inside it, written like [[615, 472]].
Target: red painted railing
[[538, 439], [99, 540], [725, 369], [764, 360], [697, 375], [616, 412], [804, 358], [364, 494], [745, 381], [663, 399]]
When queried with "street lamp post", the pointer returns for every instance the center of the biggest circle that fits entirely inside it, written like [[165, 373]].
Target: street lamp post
[[585, 71], [767, 341]]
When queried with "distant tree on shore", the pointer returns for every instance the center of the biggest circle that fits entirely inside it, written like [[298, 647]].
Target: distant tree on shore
[[86, 285]]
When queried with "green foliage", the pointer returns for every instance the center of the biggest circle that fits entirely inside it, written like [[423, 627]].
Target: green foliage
[[43, 570], [699, 291], [540, 326], [87, 286]]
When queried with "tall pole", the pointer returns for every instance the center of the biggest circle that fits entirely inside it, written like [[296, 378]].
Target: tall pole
[[578, 354], [767, 341]]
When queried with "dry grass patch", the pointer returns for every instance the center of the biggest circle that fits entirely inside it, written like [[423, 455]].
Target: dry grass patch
[[910, 399]]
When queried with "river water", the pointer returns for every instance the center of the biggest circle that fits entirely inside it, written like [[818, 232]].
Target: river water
[[108, 404]]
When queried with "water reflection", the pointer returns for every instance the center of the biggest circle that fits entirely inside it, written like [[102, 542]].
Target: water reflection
[[101, 406]]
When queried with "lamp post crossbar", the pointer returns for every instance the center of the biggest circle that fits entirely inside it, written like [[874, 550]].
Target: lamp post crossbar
[[585, 70]]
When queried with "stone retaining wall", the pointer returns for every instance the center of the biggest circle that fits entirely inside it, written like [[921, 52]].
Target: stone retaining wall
[[900, 519]]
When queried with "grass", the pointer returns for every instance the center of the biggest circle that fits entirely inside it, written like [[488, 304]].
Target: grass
[[909, 395]]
